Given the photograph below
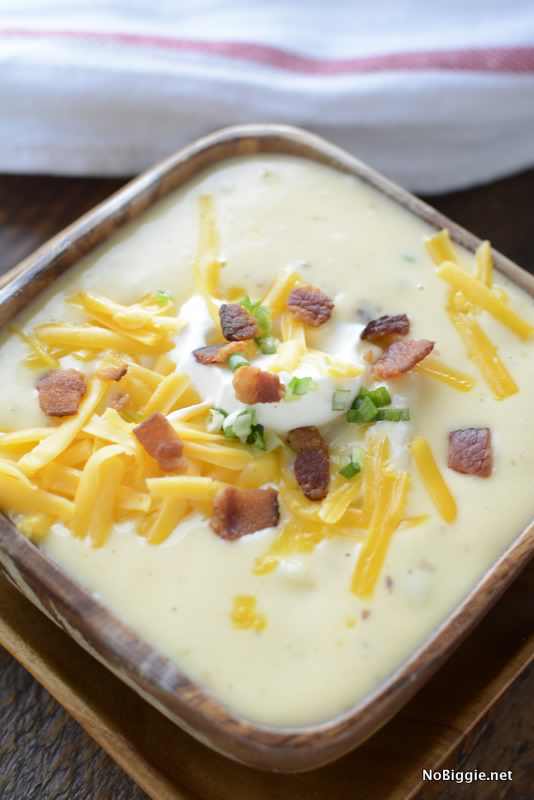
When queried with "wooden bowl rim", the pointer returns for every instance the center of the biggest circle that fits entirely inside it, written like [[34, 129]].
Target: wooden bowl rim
[[155, 677]]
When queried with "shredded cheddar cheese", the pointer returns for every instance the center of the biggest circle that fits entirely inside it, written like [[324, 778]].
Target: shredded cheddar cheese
[[207, 266], [433, 480], [484, 264], [167, 394], [245, 615], [277, 297], [440, 247], [168, 516], [466, 295], [483, 297], [485, 355], [435, 368], [94, 492], [52, 446], [387, 515]]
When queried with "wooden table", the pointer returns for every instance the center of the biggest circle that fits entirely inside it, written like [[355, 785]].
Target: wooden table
[[45, 754]]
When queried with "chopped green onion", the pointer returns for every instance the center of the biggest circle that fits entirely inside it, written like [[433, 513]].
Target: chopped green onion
[[355, 464], [393, 414], [162, 297], [363, 410], [380, 396], [268, 345], [237, 360], [261, 314], [216, 419], [298, 387], [341, 399], [239, 424], [256, 437], [409, 258], [350, 470], [263, 318]]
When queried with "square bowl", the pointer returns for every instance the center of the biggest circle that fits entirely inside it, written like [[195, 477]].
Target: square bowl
[[97, 629]]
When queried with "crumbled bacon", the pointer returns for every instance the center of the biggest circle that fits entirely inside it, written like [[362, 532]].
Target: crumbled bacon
[[401, 356], [470, 451], [312, 464], [236, 323], [160, 441], [312, 471], [376, 329], [253, 385], [310, 305], [112, 372], [217, 353], [237, 512], [61, 391], [306, 438]]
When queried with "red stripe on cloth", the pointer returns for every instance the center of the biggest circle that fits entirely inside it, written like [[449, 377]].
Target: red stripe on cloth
[[519, 60]]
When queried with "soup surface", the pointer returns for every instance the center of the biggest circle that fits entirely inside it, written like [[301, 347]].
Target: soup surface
[[293, 623]]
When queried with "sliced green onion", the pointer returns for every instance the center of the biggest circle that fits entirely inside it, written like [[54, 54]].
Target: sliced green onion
[[239, 424], [341, 399], [393, 414], [350, 470], [261, 314], [216, 419], [355, 464], [380, 396], [162, 297], [256, 437], [268, 345], [237, 360], [263, 318], [363, 410], [298, 387]]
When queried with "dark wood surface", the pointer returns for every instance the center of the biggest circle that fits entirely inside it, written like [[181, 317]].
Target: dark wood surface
[[43, 753]]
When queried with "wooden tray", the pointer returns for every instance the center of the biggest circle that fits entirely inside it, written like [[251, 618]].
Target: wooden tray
[[170, 765], [116, 645]]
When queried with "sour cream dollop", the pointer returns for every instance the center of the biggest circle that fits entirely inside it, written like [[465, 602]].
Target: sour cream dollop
[[214, 383]]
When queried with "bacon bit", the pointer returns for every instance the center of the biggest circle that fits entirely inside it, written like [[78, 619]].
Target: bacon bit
[[389, 583], [238, 512], [470, 451], [112, 372], [387, 325], [400, 357], [61, 392], [253, 385], [160, 441], [312, 471], [217, 353], [366, 613], [312, 464], [119, 401], [306, 438], [310, 305], [236, 323]]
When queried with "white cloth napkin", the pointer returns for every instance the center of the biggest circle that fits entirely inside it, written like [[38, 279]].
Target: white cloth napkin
[[437, 96]]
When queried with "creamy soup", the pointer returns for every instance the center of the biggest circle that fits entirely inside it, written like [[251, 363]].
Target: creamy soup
[[296, 622]]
